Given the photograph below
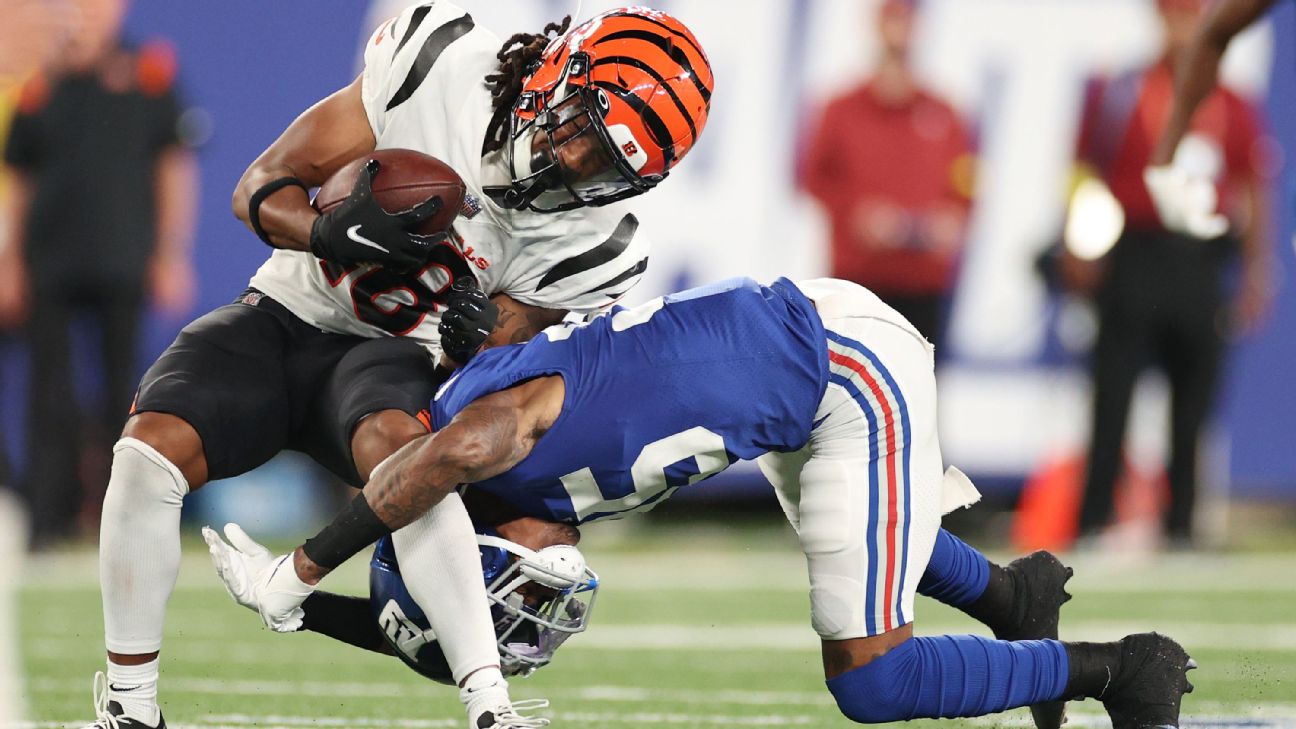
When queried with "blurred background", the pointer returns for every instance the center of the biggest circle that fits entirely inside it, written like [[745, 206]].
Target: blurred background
[[955, 156], [975, 162]]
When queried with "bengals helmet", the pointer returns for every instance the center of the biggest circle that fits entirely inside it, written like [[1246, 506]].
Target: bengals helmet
[[609, 109]]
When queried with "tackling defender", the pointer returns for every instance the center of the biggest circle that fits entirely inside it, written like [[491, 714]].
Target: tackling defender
[[549, 135], [834, 394], [540, 594]]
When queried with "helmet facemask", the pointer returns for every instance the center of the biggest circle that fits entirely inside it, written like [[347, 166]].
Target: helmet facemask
[[564, 156], [538, 601]]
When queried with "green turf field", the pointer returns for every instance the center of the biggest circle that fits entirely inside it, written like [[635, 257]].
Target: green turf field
[[698, 627]]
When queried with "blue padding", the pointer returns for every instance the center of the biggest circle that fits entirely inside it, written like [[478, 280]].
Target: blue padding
[[949, 676], [956, 574]]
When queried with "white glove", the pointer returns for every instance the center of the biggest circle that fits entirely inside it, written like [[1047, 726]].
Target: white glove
[[258, 580], [236, 564], [1186, 203]]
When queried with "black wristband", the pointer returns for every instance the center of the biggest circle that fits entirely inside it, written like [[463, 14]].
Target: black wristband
[[353, 529], [258, 197]]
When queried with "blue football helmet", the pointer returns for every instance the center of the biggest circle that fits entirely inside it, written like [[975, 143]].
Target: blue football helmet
[[537, 599]]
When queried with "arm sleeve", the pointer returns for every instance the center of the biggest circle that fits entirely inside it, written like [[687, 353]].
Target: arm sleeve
[[165, 122]]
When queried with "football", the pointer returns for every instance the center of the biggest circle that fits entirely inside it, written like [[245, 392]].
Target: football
[[405, 179]]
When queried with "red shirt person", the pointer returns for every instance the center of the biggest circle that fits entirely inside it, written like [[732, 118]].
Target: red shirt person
[[1162, 297], [890, 163]]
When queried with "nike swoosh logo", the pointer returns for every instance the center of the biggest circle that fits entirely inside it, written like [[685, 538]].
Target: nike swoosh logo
[[118, 690], [354, 234]]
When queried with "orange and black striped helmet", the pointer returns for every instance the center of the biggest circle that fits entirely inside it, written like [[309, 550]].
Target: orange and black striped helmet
[[609, 109]]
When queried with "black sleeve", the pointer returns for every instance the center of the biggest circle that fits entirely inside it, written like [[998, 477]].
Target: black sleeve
[[22, 148], [165, 122], [344, 618]]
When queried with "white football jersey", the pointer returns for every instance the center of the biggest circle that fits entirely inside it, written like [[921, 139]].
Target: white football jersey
[[424, 88]]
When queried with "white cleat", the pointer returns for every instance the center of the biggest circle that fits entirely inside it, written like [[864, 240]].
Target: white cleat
[[489, 707]]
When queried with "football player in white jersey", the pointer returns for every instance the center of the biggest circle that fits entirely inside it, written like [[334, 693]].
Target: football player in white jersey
[[550, 134]]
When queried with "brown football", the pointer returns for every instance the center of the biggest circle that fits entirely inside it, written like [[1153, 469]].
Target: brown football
[[405, 179]]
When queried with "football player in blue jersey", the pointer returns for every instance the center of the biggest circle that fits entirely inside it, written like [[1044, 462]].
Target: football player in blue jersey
[[833, 394], [540, 593]]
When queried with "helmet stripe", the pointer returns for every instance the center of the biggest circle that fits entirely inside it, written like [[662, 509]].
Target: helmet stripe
[[675, 53], [652, 72], [688, 38], [656, 127]]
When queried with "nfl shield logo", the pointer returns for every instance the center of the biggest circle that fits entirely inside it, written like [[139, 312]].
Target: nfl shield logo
[[470, 207]]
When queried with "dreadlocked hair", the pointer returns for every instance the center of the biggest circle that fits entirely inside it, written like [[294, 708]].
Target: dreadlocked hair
[[518, 58]]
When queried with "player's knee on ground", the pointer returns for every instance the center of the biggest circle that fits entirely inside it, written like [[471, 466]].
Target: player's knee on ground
[[874, 693], [946, 676]]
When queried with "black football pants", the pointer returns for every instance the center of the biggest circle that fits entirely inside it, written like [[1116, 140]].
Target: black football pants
[[65, 440], [1161, 304]]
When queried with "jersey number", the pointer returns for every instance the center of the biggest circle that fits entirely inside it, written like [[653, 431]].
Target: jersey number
[[662, 467], [398, 302]]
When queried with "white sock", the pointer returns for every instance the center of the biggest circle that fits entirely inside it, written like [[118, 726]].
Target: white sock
[[139, 551], [447, 583], [135, 688]]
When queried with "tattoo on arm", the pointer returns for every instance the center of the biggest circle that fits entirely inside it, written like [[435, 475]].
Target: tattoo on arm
[[519, 322], [484, 440]]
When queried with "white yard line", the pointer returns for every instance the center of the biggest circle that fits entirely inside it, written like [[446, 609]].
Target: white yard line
[[1209, 716], [731, 567], [755, 636]]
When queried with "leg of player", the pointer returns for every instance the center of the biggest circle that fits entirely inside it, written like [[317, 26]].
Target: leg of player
[[895, 676], [868, 503], [213, 405], [450, 588], [158, 460], [1022, 601], [381, 434]]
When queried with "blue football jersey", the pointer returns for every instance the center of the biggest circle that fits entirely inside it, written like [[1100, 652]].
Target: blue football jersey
[[657, 397]]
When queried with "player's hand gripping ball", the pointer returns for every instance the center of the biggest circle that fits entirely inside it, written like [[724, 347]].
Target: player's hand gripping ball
[[469, 318], [389, 207]]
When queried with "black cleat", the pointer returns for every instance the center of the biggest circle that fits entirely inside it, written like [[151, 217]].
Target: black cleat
[[1039, 582], [109, 714], [1152, 678]]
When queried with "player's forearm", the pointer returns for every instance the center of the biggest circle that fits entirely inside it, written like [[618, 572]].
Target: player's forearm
[[1258, 239], [1197, 72], [414, 479], [286, 216], [318, 143], [17, 203], [519, 322], [177, 196], [1194, 79]]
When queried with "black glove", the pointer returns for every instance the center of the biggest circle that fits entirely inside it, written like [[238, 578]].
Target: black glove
[[468, 319], [360, 231]]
